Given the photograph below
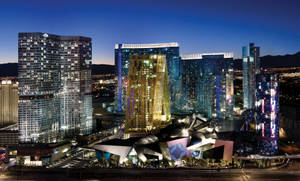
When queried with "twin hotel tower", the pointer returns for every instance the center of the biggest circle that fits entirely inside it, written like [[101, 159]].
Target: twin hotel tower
[[154, 81]]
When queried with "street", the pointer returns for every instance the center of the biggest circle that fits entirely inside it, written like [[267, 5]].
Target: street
[[153, 174]]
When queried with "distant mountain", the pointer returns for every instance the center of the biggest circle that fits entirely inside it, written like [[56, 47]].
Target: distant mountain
[[281, 61], [278, 61], [11, 69], [98, 69]]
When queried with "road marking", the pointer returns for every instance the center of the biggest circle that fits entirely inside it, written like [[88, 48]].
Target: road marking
[[244, 176]]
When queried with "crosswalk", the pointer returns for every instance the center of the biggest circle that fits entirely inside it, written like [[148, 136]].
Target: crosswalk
[[65, 161], [244, 176]]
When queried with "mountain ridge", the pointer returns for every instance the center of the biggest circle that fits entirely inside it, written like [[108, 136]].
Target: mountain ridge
[[274, 61], [11, 69], [268, 61]]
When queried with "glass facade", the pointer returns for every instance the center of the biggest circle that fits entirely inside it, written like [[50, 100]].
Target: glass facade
[[267, 112], [207, 84], [54, 79], [122, 62], [148, 98], [39, 119], [251, 67], [75, 90]]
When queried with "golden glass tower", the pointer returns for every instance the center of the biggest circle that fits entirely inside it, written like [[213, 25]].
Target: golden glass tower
[[148, 97]]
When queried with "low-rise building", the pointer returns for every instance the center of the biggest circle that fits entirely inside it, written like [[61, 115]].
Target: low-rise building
[[38, 154]]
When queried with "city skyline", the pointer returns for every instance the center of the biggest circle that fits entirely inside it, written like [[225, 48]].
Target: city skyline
[[197, 26], [150, 89]]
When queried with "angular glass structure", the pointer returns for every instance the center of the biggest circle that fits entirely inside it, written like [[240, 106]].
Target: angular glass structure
[[267, 112], [122, 63], [251, 67], [207, 84], [148, 98], [192, 136], [54, 84]]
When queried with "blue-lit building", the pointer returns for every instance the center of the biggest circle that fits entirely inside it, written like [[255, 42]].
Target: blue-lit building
[[122, 63], [251, 67], [267, 112], [207, 84]]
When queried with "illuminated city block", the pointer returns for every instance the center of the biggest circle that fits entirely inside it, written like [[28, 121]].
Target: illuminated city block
[[207, 84], [267, 112], [122, 63], [148, 98], [54, 77], [251, 67]]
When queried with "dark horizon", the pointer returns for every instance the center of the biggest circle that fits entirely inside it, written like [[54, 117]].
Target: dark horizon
[[268, 61]]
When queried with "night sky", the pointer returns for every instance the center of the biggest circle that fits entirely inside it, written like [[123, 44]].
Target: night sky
[[199, 26]]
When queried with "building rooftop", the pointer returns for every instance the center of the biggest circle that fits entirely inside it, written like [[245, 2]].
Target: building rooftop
[[59, 37], [153, 45], [201, 55]]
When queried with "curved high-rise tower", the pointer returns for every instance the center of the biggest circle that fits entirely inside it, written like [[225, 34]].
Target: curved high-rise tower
[[148, 97]]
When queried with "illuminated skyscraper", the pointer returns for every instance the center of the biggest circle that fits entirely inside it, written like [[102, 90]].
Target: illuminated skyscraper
[[8, 102], [122, 62], [75, 90], [207, 84], [267, 112], [251, 66], [54, 86], [148, 98]]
